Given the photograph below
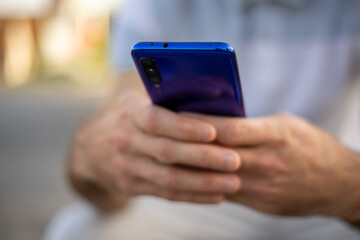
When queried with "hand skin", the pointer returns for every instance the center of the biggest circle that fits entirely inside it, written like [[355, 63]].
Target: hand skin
[[113, 155], [290, 167]]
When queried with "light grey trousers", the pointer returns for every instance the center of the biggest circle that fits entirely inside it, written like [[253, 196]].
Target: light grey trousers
[[150, 218]]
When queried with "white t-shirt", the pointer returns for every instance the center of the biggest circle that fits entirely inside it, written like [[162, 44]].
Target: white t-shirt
[[298, 56]]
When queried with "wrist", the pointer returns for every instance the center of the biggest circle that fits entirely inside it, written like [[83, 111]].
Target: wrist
[[351, 200]]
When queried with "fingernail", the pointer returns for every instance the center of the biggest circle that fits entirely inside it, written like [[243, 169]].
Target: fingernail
[[206, 134], [230, 162], [231, 185]]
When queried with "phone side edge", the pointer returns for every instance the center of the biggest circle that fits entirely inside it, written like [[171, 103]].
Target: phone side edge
[[196, 46]]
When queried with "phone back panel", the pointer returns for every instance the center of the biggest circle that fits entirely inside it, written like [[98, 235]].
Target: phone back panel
[[196, 77]]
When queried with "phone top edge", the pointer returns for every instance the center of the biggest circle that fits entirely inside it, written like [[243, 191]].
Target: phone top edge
[[186, 46]]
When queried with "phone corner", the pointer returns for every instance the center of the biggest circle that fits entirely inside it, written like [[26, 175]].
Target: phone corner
[[225, 47], [136, 46]]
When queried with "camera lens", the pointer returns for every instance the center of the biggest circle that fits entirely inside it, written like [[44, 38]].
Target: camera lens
[[151, 70], [155, 80], [147, 62]]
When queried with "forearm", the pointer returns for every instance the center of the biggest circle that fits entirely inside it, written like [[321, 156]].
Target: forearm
[[103, 198]]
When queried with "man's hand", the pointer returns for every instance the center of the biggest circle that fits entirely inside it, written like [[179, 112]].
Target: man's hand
[[290, 167], [123, 150]]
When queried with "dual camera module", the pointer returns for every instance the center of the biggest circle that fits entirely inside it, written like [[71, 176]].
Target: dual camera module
[[151, 70]]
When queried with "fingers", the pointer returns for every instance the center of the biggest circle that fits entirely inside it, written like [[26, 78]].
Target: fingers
[[252, 159], [162, 122], [259, 194], [190, 154], [179, 178], [243, 131], [134, 186], [262, 162]]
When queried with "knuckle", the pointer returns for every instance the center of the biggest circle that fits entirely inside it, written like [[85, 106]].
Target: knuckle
[[285, 135], [268, 125], [164, 150], [284, 131], [187, 128], [124, 114], [123, 139], [205, 157], [234, 130], [171, 179]]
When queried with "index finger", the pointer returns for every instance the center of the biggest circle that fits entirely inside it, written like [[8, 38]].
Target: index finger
[[236, 131], [162, 122]]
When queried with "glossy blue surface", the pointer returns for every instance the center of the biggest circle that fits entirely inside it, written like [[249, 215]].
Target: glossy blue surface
[[196, 77]]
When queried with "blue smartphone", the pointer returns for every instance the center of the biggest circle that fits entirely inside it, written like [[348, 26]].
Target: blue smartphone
[[192, 77]]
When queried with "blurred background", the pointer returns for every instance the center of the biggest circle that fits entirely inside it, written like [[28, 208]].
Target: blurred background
[[54, 71]]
